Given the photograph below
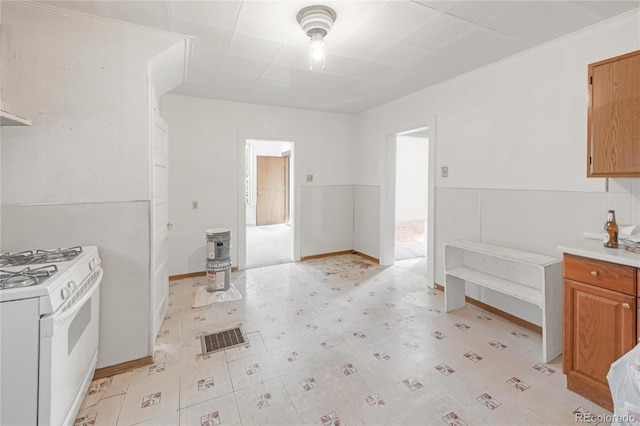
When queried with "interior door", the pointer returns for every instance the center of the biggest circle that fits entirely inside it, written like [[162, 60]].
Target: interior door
[[272, 197], [159, 223]]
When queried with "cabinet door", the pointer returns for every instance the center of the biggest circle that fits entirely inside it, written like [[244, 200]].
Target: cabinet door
[[613, 140], [599, 327]]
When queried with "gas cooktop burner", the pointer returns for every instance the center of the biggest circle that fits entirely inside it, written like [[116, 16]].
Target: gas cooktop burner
[[39, 256], [26, 277]]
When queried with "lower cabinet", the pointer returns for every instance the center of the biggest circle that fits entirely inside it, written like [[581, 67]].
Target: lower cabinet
[[599, 325]]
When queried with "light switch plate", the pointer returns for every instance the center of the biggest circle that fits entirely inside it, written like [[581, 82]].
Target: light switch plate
[[309, 178], [444, 172]]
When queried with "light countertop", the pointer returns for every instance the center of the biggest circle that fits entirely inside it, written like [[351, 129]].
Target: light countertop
[[594, 249]]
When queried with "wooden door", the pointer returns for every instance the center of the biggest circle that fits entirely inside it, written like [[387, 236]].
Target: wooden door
[[599, 327], [272, 179]]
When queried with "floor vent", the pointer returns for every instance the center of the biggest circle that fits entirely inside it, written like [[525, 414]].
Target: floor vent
[[226, 339]]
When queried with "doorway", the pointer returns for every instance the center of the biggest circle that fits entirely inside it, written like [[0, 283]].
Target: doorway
[[412, 172], [426, 131], [268, 193]]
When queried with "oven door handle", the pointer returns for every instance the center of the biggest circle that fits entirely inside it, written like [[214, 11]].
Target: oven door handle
[[49, 322]]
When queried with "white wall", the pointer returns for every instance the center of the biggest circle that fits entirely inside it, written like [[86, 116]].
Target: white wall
[[513, 135], [204, 138], [80, 174], [412, 160]]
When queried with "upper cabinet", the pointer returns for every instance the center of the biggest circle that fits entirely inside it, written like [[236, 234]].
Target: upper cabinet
[[613, 132]]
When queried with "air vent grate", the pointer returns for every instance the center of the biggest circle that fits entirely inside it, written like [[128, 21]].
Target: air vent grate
[[221, 340]]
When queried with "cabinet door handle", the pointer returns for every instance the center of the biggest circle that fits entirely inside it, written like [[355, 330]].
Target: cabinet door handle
[[594, 273], [626, 306]]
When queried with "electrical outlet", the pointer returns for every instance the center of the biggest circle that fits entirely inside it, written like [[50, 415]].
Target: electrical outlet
[[309, 178], [444, 171], [194, 205]]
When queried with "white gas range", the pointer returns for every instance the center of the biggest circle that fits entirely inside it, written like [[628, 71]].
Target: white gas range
[[49, 312]]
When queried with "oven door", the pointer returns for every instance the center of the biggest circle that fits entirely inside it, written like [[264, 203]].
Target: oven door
[[68, 354]]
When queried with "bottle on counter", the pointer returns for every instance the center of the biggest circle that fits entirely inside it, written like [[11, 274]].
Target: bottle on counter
[[611, 231]]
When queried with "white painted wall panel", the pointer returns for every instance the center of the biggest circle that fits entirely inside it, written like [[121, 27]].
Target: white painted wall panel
[[519, 124], [499, 125], [84, 85], [327, 219], [80, 174], [203, 149], [457, 218], [123, 246], [366, 217], [530, 220]]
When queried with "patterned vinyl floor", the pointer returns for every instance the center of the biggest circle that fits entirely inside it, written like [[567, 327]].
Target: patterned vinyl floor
[[339, 341]]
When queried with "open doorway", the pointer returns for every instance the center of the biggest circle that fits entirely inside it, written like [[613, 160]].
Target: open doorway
[[268, 194], [412, 172], [426, 131]]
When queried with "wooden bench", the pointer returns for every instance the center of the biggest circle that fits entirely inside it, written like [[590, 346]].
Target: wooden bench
[[531, 277]]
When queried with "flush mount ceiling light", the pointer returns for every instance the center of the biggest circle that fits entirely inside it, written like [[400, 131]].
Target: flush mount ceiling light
[[316, 21]]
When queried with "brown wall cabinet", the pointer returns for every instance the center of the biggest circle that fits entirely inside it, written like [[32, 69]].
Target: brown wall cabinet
[[599, 323], [613, 120]]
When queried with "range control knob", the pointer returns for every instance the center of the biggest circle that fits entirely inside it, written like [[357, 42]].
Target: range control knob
[[65, 292], [93, 263], [73, 286]]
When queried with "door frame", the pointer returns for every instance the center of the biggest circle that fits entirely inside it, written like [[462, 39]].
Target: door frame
[[243, 136], [157, 124], [388, 195]]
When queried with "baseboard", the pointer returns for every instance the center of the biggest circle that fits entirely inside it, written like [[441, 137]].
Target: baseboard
[[189, 275], [339, 253], [366, 256], [101, 373], [320, 256], [514, 319], [195, 274]]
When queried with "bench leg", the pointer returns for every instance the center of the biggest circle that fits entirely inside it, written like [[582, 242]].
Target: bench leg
[[454, 291]]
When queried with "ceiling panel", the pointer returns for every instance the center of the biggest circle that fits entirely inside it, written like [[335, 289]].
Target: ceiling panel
[[484, 44], [153, 14], [541, 21], [449, 65], [399, 18], [242, 46], [268, 20], [481, 12], [442, 29], [205, 38], [255, 51], [217, 14], [402, 55], [609, 9]]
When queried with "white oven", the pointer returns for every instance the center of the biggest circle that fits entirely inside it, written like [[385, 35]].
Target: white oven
[[49, 312]]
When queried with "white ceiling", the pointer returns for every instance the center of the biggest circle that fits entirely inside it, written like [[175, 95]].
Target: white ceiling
[[255, 51]]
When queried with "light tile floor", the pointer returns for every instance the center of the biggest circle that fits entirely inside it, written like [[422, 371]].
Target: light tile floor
[[338, 341]]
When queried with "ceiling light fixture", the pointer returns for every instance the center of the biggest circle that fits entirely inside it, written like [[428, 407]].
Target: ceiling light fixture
[[316, 21]]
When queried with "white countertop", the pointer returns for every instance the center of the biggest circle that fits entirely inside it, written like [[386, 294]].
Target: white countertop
[[596, 250]]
